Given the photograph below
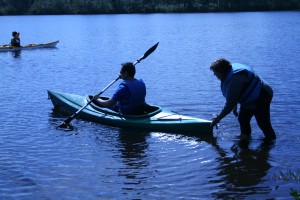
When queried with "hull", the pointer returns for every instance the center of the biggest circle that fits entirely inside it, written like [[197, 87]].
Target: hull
[[157, 120], [29, 46]]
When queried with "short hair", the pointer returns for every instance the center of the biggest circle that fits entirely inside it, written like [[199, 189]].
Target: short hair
[[14, 33], [129, 68], [221, 66]]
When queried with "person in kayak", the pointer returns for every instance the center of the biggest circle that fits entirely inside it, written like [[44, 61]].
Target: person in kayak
[[129, 98], [15, 41], [241, 85]]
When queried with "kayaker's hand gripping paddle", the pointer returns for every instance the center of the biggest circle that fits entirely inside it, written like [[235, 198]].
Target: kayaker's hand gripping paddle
[[66, 123]]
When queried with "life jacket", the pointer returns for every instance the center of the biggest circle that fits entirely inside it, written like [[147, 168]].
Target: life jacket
[[137, 96], [252, 91], [15, 42]]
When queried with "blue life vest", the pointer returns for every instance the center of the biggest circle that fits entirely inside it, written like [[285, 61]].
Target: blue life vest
[[251, 93], [137, 96]]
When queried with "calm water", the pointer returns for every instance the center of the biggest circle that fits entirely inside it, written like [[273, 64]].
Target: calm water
[[94, 161]]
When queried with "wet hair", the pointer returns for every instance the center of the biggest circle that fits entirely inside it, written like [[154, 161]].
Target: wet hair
[[129, 68], [221, 66], [14, 33]]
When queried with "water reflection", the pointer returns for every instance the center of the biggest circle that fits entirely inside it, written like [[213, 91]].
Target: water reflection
[[133, 146], [16, 54], [241, 172]]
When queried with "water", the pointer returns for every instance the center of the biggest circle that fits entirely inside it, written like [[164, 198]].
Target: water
[[95, 161]]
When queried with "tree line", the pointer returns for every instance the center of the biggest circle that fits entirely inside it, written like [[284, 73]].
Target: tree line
[[40, 7]]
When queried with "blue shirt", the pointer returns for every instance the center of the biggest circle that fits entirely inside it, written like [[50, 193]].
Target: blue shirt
[[130, 95], [121, 93]]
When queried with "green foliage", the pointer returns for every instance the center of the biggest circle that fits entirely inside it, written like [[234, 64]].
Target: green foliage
[[295, 194], [290, 177], [10, 7], [8, 10], [50, 7]]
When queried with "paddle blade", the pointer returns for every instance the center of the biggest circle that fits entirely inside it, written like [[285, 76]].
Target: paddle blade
[[150, 51], [66, 123], [63, 125], [66, 127]]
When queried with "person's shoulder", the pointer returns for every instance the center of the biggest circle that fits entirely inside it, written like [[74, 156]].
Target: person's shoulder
[[123, 87], [140, 81], [239, 77]]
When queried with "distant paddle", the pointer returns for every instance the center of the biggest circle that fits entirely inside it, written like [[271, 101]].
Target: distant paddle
[[66, 123]]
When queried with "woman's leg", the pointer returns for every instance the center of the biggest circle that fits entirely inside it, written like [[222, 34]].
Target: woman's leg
[[262, 116], [244, 118]]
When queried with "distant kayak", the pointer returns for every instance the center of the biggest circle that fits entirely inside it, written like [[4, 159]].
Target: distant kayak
[[154, 118], [29, 46]]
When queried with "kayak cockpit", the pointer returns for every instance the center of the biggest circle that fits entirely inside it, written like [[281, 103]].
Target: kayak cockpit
[[144, 111]]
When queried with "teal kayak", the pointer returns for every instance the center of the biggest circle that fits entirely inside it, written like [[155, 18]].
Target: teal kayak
[[29, 46], [154, 118]]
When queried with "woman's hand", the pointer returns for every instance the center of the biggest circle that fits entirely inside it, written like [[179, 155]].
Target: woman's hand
[[215, 121]]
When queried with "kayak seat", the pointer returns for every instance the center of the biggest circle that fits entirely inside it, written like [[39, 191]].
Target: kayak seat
[[144, 109]]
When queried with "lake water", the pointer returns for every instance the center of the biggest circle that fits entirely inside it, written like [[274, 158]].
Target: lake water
[[94, 161]]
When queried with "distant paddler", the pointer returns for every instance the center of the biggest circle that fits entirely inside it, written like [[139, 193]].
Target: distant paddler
[[15, 41]]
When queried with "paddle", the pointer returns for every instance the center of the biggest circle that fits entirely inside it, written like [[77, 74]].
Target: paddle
[[66, 123]]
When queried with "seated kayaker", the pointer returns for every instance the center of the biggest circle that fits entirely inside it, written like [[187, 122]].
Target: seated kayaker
[[15, 41], [129, 98]]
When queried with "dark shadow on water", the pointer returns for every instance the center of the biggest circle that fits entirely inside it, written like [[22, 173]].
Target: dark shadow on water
[[57, 113], [16, 54], [242, 169], [133, 147]]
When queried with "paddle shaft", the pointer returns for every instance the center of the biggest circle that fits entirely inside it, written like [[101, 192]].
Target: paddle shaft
[[78, 111], [67, 121], [102, 91]]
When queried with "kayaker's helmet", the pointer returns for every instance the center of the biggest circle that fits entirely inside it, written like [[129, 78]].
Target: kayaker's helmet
[[129, 68]]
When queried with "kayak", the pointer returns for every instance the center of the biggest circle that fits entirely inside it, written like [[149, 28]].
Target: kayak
[[153, 118], [29, 46]]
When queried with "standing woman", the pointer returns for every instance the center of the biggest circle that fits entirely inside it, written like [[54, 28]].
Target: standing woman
[[241, 85], [15, 41]]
